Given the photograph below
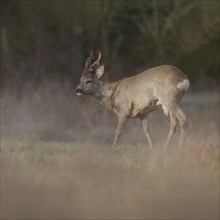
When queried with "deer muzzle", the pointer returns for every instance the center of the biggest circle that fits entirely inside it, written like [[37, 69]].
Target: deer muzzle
[[79, 91]]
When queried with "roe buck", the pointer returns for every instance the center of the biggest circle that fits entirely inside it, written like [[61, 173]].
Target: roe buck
[[133, 97]]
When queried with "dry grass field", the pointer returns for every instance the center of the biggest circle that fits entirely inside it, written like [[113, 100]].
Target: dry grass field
[[57, 161], [77, 180]]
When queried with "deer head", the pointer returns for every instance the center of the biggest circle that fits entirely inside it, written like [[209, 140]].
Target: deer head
[[89, 81]]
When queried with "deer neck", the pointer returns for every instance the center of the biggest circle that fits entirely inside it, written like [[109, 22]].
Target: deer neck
[[105, 93]]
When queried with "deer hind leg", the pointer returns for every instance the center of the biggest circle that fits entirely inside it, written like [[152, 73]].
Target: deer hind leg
[[173, 124], [146, 130], [182, 118], [121, 123]]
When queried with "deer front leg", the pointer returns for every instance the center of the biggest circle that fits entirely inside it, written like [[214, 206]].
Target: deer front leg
[[121, 123]]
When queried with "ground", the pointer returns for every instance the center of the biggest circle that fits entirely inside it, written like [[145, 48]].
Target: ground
[[80, 180]]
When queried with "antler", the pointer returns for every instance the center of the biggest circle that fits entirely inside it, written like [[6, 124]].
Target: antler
[[90, 59], [99, 57]]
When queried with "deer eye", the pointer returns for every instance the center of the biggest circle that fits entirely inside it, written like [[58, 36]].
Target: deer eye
[[88, 81]]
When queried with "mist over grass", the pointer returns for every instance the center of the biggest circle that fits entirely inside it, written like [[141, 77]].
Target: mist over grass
[[57, 160], [54, 112]]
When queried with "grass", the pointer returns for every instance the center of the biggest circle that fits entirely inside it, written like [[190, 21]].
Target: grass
[[49, 180]]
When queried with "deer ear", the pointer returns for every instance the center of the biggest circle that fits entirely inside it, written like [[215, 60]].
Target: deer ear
[[100, 71]]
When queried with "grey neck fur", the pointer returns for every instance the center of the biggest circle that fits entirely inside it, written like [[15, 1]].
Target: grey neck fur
[[105, 93]]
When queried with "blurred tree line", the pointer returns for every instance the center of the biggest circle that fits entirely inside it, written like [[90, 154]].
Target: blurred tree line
[[47, 40]]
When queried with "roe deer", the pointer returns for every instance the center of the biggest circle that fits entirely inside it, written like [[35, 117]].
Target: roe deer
[[133, 97]]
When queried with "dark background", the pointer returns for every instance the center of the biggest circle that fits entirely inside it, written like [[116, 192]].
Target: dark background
[[44, 41]]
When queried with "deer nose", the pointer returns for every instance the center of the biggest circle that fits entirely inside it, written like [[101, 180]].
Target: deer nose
[[79, 91]]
